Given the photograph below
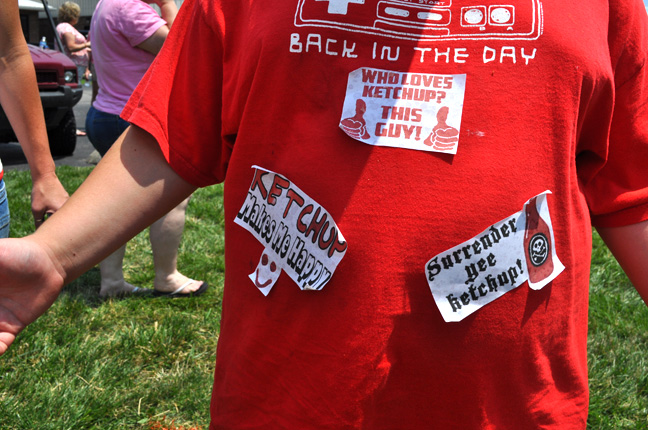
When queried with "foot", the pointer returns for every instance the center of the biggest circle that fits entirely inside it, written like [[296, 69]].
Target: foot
[[178, 285], [80, 133], [122, 288]]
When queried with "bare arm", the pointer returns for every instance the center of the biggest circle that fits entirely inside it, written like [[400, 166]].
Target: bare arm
[[21, 102], [169, 11], [629, 244], [72, 45], [130, 188]]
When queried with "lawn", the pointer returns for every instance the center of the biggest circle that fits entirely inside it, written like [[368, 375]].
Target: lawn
[[142, 363], [133, 363]]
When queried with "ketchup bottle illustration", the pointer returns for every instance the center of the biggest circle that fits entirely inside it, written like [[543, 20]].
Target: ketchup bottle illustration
[[537, 245]]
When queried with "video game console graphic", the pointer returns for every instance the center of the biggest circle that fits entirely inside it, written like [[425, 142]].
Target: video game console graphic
[[426, 19]]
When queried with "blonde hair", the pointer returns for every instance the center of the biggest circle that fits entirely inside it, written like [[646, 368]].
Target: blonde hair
[[69, 11]]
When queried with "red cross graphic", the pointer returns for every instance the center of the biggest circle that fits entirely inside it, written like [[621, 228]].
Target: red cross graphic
[[340, 7]]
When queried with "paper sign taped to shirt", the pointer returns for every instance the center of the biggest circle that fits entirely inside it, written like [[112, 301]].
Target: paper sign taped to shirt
[[519, 248], [300, 237], [418, 111]]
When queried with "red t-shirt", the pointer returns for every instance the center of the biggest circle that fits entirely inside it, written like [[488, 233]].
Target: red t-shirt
[[416, 127]]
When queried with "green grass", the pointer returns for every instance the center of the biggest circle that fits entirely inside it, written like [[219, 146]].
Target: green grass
[[617, 347], [127, 363], [142, 363]]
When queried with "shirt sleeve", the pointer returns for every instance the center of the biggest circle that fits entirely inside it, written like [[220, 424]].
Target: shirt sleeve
[[179, 100], [143, 21], [618, 193], [62, 28]]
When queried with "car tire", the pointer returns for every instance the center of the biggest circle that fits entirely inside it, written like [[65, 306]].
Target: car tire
[[63, 138]]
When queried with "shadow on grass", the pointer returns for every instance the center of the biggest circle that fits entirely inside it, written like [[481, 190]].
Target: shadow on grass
[[85, 289]]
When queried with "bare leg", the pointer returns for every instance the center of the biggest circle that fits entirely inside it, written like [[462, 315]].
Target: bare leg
[[112, 275], [165, 235]]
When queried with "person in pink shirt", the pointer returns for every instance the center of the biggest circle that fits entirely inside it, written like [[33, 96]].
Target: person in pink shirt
[[127, 35], [75, 45]]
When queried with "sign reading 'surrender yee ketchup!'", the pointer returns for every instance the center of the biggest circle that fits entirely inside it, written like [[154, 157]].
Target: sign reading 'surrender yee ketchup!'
[[300, 237], [519, 248]]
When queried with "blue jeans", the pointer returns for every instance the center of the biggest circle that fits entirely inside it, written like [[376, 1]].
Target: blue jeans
[[103, 129], [4, 211], [80, 73]]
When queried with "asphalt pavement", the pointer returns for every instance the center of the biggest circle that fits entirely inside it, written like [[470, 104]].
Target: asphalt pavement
[[13, 157]]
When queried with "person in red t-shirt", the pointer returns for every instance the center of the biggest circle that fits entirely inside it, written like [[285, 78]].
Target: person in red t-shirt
[[315, 115]]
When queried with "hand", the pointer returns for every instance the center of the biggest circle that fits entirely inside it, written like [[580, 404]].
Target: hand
[[443, 138], [29, 284], [354, 128], [48, 195]]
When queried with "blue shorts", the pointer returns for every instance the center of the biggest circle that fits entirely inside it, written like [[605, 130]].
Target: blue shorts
[[103, 129], [4, 211]]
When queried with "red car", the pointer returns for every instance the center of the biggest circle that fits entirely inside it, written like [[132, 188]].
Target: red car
[[59, 92]]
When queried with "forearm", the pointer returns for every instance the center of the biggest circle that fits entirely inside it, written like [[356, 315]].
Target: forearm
[[21, 101], [71, 44], [74, 47], [80, 47], [629, 244], [128, 190]]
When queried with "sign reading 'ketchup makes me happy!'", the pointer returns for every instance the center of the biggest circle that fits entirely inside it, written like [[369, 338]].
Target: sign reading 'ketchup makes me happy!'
[[300, 237]]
